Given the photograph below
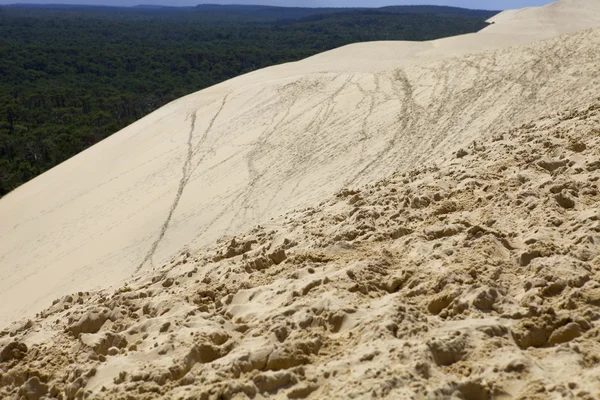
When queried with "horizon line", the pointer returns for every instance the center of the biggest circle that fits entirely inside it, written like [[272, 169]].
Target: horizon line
[[232, 4]]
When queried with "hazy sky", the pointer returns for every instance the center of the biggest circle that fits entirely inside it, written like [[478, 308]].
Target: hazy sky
[[481, 4]]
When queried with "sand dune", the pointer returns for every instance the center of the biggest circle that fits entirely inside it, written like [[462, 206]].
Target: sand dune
[[473, 278], [247, 150], [421, 221]]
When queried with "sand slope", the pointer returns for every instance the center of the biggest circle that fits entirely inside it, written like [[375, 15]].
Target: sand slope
[[254, 147], [473, 278]]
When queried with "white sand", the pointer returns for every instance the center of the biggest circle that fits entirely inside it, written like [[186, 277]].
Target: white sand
[[285, 137], [475, 278]]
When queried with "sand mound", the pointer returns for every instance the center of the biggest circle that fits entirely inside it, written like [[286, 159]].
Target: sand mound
[[252, 148], [473, 278]]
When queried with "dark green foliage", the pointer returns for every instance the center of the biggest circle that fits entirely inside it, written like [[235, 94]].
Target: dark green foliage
[[440, 10], [71, 76]]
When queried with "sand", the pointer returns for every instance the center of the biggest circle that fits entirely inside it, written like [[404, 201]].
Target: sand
[[477, 277], [410, 220], [234, 155]]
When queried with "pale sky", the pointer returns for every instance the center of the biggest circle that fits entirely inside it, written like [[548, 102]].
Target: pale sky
[[479, 4]]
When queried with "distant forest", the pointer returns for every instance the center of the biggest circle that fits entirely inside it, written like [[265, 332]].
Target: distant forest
[[73, 75]]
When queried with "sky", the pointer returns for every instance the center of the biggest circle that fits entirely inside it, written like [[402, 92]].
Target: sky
[[479, 4]]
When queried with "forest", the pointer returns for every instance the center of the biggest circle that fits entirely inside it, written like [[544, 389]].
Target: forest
[[71, 76]]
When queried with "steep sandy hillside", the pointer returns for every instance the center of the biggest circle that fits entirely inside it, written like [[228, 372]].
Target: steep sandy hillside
[[474, 277], [265, 143]]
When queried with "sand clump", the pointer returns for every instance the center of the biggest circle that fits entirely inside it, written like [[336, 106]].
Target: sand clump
[[476, 277]]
